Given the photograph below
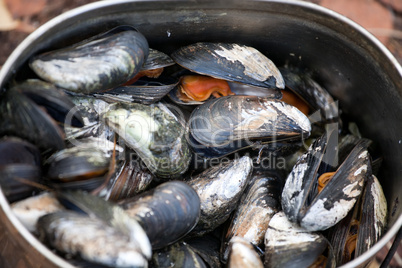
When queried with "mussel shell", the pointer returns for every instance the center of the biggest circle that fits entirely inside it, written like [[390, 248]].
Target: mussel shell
[[21, 117], [144, 90], [90, 238], [232, 62], [57, 104], [109, 213], [167, 213], [367, 220], [227, 124], [180, 254], [242, 254], [128, 180], [310, 91], [19, 160], [220, 189], [260, 201], [155, 134], [287, 245], [319, 211], [30, 209], [97, 64], [207, 247], [77, 163], [249, 90], [157, 59]]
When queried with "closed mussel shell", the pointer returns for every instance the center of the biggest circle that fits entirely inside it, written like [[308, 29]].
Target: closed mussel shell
[[220, 189], [288, 245], [97, 64], [90, 238], [167, 213], [154, 133], [179, 254], [21, 117], [227, 124], [260, 201], [232, 62], [19, 160]]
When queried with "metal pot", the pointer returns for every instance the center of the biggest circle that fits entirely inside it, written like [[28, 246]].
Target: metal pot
[[354, 66]]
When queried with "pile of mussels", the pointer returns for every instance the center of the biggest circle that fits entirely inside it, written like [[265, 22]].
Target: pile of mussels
[[118, 155]]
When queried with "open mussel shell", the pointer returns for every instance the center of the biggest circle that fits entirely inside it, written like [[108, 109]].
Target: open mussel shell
[[20, 161], [97, 64], [167, 213], [314, 210], [154, 133], [145, 90], [227, 124], [21, 117], [288, 245], [91, 239], [300, 83], [231, 62], [363, 226], [260, 201], [57, 104], [220, 189]]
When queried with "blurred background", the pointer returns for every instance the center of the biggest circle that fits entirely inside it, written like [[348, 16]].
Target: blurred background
[[383, 18]]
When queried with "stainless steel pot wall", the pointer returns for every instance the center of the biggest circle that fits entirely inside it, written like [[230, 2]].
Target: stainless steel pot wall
[[354, 66]]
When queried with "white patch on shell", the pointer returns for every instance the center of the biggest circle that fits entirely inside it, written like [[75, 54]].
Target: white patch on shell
[[256, 65], [73, 73], [380, 207], [293, 113], [363, 154], [319, 218], [282, 232], [243, 254], [361, 169], [293, 184]]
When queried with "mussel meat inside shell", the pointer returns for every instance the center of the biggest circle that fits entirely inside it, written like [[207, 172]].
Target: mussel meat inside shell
[[314, 210]]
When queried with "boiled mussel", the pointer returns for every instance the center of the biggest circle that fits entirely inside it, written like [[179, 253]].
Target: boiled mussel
[[167, 213], [96, 64], [220, 189], [363, 226], [231, 62], [20, 164], [154, 133], [259, 203], [316, 199], [288, 245], [227, 124]]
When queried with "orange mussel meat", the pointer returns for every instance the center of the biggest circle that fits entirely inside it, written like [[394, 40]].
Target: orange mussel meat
[[200, 88]]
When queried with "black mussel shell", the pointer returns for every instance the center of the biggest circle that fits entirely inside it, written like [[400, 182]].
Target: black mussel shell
[[97, 64], [232, 62], [57, 104], [167, 213], [145, 91], [227, 124], [20, 116]]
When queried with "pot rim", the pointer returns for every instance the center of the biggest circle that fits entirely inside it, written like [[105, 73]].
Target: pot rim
[[92, 7]]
